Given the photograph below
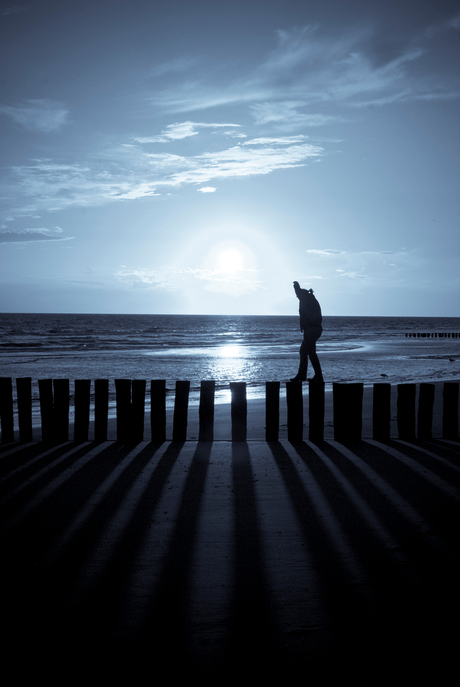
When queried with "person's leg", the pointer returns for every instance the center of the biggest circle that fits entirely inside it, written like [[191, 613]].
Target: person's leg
[[303, 365], [315, 362]]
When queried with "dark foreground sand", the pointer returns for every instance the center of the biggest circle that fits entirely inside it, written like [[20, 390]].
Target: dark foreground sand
[[231, 563]]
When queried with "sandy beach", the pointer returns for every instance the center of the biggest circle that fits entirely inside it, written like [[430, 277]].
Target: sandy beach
[[227, 562]]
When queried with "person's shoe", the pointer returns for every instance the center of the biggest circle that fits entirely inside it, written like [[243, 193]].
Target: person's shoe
[[316, 378], [299, 378]]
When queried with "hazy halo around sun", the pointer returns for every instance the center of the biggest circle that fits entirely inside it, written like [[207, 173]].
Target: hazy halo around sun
[[230, 261]]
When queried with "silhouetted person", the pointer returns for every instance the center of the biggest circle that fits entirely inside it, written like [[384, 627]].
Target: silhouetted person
[[311, 326]]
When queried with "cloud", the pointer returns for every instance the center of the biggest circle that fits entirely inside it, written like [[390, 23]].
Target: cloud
[[32, 235], [285, 140], [310, 68], [370, 265], [176, 279], [324, 251], [207, 189], [12, 9], [132, 173], [286, 114], [178, 131], [44, 116]]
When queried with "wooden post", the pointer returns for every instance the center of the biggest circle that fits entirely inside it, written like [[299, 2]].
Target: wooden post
[[6, 409], [294, 402], [425, 411], [82, 403], [158, 410], [272, 411], [123, 401], [381, 411], [61, 410], [348, 411], [24, 393], [206, 410], [406, 411], [316, 411], [450, 411], [181, 411], [101, 409], [239, 411], [138, 410], [45, 388]]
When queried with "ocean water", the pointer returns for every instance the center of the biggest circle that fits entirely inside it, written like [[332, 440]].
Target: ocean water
[[223, 348]]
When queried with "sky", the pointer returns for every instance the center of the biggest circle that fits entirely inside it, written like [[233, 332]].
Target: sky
[[197, 157]]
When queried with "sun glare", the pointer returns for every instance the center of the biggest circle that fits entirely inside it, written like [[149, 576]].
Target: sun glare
[[230, 261]]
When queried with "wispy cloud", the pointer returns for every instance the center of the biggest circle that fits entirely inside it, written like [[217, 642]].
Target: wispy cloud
[[309, 68], [373, 265], [32, 235], [207, 189], [44, 116], [179, 279], [286, 113], [128, 173], [180, 130], [12, 9]]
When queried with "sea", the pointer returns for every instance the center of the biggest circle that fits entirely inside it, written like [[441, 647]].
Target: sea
[[252, 349]]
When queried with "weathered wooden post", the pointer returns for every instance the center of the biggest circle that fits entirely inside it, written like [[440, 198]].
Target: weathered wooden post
[[294, 402], [82, 404], [123, 401], [381, 411], [272, 411], [45, 389], [425, 411], [239, 411], [348, 411], [316, 411], [406, 411], [181, 411], [6, 409], [61, 410], [137, 409], [450, 411], [206, 410], [158, 410], [24, 394], [101, 409]]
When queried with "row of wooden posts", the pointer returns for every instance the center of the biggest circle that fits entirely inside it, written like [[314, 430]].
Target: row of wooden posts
[[130, 410], [434, 335]]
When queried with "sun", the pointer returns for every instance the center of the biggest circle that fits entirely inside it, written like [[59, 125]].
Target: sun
[[230, 261]]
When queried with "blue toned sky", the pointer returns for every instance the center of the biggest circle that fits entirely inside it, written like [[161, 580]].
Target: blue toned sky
[[198, 156]]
